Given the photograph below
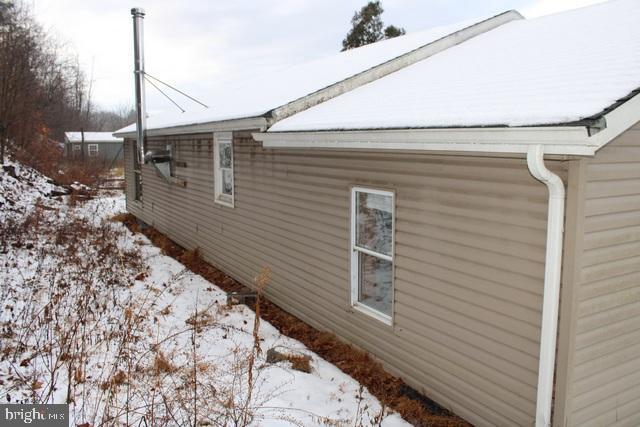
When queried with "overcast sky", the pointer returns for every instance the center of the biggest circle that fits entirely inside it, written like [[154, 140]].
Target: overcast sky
[[198, 46]]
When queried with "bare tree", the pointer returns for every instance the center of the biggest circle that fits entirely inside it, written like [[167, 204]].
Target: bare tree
[[114, 119], [43, 92]]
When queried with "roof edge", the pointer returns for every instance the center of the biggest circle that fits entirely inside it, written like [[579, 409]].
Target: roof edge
[[88, 137], [618, 120], [581, 138], [248, 123]]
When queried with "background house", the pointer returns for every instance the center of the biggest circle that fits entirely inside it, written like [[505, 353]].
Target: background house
[[410, 215], [100, 147]]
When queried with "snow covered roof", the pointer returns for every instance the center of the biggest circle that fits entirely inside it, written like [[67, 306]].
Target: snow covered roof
[[270, 91], [557, 69], [91, 137]]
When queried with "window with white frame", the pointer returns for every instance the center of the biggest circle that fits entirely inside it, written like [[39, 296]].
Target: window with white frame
[[92, 150], [372, 234], [223, 168], [77, 149]]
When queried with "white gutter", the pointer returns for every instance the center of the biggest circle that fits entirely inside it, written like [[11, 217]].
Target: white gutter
[[551, 296], [560, 140], [249, 123]]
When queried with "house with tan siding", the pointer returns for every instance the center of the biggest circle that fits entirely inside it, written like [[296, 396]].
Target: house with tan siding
[[465, 206]]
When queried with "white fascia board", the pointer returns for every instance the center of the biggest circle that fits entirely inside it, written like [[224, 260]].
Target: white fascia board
[[250, 123], [566, 140]]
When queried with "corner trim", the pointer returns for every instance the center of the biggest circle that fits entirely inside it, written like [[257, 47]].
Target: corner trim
[[573, 247]]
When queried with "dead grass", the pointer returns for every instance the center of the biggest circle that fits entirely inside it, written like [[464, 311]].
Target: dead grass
[[118, 379], [299, 362], [390, 390], [162, 365], [117, 171], [82, 326], [48, 159], [201, 321], [128, 220]]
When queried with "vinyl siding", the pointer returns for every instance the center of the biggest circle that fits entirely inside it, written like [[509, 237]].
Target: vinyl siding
[[469, 265], [605, 389], [107, 151]]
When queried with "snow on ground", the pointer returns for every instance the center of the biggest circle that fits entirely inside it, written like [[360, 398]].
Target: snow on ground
[[21, 186], [97, 316]]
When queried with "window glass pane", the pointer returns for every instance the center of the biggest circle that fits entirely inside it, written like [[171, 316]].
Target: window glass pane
[[227, 182], [374, 222], [375, 283], [225, 155]]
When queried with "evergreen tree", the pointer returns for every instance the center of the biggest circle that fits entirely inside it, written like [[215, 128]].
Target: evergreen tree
[[392, 31], [367, 27]]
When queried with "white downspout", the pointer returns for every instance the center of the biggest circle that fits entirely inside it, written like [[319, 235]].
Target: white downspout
[[551, 296]]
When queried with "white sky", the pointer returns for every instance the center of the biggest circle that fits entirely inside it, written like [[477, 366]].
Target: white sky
[[198, 45]]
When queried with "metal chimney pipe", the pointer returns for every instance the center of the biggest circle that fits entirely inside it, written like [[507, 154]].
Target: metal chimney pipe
[[138, 53]]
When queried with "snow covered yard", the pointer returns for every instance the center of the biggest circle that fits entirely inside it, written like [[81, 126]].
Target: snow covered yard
[[98, 317]]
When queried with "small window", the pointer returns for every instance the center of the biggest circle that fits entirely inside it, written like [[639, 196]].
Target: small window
[[92, 149], [77, 149], [372, 229], [223, 168]]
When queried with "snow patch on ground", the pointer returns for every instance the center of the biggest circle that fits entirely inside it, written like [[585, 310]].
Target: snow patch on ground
[[152, 330], [20, 188]]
